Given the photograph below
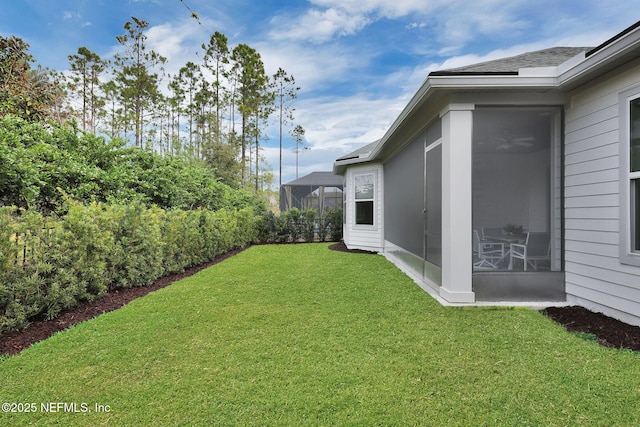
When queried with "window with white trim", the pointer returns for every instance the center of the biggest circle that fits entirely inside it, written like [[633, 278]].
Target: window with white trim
[[364, 186], [634, 174]]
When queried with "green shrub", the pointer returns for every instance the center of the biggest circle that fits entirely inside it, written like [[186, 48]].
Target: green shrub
[[8, 246], [333, 223], [292, 224], [37, 160], [300, 225], [137, 254], [321, 228], [295, 225], [177, 231], [71, 263], [272, 228], [14, 291], [308, 225], [48, 264], [247, 231]]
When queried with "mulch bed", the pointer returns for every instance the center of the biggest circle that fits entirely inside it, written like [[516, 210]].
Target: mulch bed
[[341, 247], [609, 332]]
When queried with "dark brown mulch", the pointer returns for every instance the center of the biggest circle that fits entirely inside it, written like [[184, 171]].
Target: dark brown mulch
[[341, 247], [609, 332], [40, 329]]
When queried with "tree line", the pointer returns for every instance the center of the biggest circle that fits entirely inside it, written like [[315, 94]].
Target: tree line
[[116, 173], [214, 112]]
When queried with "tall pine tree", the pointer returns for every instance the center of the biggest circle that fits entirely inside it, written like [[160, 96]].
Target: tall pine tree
[[135, 74]]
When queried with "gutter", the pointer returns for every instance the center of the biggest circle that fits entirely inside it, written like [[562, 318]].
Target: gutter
[[621, 48]]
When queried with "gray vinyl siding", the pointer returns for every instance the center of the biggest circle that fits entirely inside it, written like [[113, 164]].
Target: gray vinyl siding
[[595, 277]]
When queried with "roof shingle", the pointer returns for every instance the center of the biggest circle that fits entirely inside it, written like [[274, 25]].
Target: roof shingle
[[541, 58]]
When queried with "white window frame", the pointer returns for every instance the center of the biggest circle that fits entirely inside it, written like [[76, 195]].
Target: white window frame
[[356, 200], [628, 182]]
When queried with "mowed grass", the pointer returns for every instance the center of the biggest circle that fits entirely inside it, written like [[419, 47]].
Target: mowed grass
[[297, 335]]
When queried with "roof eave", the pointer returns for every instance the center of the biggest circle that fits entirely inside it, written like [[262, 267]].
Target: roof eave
[[339, 166], [621, 49], [469, 81], [417, 99], [575, 71]]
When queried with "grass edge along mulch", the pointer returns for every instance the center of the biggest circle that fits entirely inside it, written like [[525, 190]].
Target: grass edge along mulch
[[302, 336], [39, 329]]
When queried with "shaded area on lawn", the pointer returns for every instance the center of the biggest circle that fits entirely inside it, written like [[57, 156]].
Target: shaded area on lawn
[[609, 332]]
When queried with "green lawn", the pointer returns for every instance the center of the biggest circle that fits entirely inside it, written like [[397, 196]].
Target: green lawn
[[297, 335]]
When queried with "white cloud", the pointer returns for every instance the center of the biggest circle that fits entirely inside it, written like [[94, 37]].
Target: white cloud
[[334, 126], [314, 68], [416, 25], [336, 18], [167, 40], [344, 124], [179, 41], [318, 25], [75, 16], [454, 22], [385, 8]]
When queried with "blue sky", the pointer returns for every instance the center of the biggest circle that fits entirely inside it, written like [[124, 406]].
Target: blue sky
[[357, 61]]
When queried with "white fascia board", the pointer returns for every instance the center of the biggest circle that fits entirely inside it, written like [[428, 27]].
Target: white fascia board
[[599, 59], [339, 166], [495, 82], [538, 72], [569, 64]]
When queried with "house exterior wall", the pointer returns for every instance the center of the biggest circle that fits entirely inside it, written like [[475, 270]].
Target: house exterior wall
[[595, 276], [593, 228], [366, 237]]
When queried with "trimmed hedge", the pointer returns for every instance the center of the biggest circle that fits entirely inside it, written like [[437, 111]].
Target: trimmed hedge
[[295, 225], [49, 264]]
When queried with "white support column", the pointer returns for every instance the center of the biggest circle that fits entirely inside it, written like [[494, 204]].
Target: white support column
[[457, 126]]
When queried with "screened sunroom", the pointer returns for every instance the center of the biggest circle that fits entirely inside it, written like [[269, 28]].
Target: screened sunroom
[[317, 191], [516, 209], [516, 206], [473, 204]]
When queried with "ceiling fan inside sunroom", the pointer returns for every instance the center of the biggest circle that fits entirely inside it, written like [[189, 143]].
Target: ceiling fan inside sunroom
[[508, 141]]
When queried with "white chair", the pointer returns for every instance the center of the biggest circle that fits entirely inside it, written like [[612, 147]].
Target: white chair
[[536, 248], [492, 232], [487, 252]]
